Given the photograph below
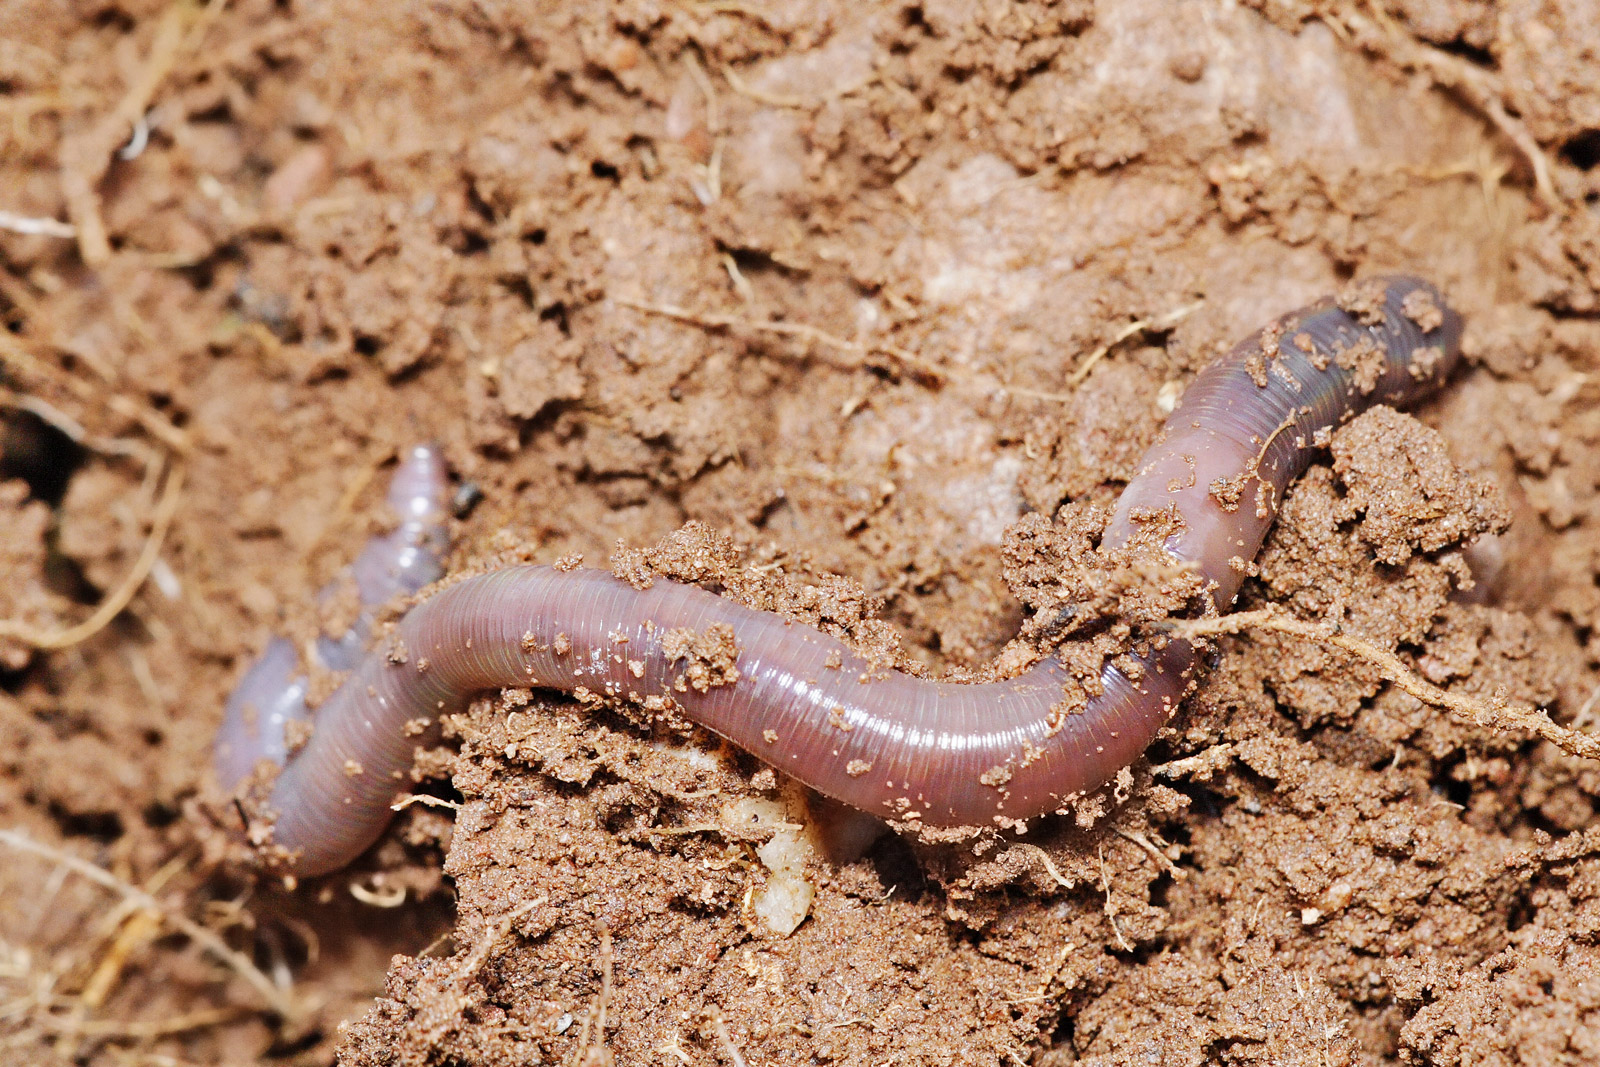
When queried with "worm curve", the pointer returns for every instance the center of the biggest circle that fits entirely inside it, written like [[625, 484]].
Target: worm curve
[[945, 753], [265, 709]]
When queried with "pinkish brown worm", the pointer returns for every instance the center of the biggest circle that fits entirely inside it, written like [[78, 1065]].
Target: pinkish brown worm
[[803, 701]]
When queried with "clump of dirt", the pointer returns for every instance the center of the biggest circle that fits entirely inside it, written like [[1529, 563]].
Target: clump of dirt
[[28, 603], [857, 312]]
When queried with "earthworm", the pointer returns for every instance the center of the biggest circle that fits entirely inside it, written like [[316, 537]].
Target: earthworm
[[944, 754], [257, 722]]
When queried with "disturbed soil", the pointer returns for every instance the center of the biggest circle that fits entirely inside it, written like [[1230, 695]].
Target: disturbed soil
[[863, 311]]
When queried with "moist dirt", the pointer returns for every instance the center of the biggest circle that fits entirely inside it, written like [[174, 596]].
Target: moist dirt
[[862, 312]]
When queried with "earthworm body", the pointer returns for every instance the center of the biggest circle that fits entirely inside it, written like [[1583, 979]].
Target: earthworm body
[[948, 754], [261, 714]]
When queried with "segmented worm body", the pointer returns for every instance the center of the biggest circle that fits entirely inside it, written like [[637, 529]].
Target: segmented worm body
[[259, 718], [944, 753]]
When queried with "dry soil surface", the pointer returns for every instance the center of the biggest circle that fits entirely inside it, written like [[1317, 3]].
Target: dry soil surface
[[868, 307]]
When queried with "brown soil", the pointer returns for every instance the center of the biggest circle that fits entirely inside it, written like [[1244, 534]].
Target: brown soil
[[835, 281]]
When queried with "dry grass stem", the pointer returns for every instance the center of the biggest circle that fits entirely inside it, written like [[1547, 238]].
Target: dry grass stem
[[120, 597], [138, 1029], [86, 156], [273, 997], [134, 932], [77, 433], [36, 227], [153, 422]]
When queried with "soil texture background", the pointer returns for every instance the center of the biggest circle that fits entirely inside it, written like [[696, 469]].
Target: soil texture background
[[861, 312]]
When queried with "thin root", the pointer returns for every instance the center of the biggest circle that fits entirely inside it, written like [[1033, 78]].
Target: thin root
[[74, 431], [1496, 714], [597, 1053], [795, 103], [726, 1038], [908, 361], [86, 156], [1050, 868], [1159, 322], [1110, 909], [1162, 862], [453, 990], [1477, 87], [1077, 377]]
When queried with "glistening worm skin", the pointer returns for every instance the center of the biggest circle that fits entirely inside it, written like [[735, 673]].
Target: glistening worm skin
[[271, 696], [948, 754]]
